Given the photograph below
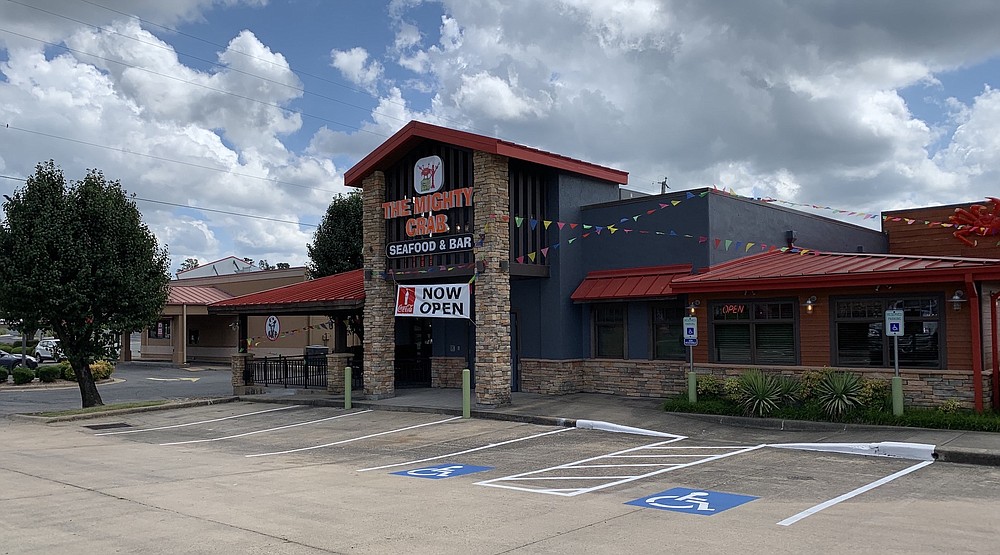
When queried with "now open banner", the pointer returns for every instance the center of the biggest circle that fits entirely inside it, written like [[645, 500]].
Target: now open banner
[[452, 300]]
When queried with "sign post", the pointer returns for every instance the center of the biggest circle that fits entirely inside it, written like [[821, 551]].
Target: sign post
[[894, 328], [690, 340]]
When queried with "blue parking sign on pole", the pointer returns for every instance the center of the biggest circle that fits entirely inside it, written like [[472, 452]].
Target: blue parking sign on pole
[[694, 501]]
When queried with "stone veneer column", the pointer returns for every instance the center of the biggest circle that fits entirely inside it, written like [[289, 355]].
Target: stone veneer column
[[492, 204], [380, 296]]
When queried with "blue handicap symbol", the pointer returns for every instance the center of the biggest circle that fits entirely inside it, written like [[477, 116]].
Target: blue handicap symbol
[[444, 470], [685, 500], [690, 331], [893, 326]]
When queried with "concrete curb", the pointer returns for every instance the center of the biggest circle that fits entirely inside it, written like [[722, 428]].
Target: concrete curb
[[967, 455], [116, 412], [778, 424]]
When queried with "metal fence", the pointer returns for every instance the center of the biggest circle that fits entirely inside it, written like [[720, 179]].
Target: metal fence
[[299, 371]]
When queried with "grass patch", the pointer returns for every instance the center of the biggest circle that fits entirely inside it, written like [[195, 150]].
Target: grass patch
[[103, 408]]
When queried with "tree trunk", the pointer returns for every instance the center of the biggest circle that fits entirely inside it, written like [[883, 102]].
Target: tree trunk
[[88, 389]]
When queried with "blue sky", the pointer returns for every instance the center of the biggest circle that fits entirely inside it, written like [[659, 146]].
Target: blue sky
[[851, 104]]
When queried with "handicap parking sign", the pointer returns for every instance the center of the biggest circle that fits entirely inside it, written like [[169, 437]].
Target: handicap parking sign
[[445, 470], [685, 500]]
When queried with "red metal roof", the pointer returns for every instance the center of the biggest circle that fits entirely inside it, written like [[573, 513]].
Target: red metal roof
[[195, 295], [394, 147], [796, 270], [630, 283], [347, 288]]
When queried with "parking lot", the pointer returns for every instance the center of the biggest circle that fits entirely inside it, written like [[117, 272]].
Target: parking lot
[[293, 479]]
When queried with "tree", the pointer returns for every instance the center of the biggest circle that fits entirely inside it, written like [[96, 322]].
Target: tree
[[336, 245], [77, 259], [189, 264]]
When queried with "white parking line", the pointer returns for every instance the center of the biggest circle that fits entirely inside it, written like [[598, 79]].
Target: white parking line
[[826, 504], [449, 455], [353, 439], [610, 481], [196, 423], [265, 430]]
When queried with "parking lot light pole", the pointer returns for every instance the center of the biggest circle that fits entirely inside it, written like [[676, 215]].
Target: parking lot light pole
[[24, 346]]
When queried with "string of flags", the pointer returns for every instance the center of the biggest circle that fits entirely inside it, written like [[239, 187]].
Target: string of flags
[[255, 341]]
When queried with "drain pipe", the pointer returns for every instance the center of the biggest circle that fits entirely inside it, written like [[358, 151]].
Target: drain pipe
[[977, 343], [993, 343]]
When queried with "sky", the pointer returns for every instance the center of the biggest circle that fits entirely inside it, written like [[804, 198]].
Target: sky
[[233, 121]]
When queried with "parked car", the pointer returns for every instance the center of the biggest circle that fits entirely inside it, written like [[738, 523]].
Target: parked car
[[47, 349], [9, 361]]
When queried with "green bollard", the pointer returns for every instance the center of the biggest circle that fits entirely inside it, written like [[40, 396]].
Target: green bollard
[[466, 393], [897, 395], [692, 387], [347, 387]]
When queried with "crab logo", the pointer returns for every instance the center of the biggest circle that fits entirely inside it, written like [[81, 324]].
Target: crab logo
[[426, 175]]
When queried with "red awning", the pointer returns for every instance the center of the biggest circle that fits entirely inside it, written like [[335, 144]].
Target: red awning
[[339, 291], [629, 284]]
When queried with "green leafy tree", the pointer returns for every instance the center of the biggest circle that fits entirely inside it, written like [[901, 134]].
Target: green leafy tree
[[77, 259], [336, 245], [189, 264]]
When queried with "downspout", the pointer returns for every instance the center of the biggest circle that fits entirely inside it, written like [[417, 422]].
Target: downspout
[[977, 343], [993, 342]]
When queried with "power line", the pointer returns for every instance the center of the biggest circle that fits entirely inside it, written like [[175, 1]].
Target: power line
[[163, 159], [199, 208]]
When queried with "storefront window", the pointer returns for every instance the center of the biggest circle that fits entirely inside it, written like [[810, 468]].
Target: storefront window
[[860, 340], [609, 331], [160, 330], [668, 341], [760, 332]]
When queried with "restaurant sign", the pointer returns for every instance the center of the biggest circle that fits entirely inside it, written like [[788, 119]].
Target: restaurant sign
[[451, 300], [431, 197]]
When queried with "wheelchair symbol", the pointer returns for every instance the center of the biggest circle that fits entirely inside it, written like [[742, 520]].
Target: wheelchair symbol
[[697, 500], [439, 472]]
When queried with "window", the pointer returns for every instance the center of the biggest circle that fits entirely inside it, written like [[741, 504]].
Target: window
[[609, 331], [668, 339], [760, 332], [160, 331], [860, 340]]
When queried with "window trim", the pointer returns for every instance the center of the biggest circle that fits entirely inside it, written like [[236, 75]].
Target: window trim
[[593, 330], [887, 345], [751, 323]]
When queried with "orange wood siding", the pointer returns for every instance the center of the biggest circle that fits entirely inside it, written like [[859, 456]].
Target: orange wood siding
[[933, 240]]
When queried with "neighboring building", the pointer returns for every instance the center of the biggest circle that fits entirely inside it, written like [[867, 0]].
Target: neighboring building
[[224, 267], [187, 332]]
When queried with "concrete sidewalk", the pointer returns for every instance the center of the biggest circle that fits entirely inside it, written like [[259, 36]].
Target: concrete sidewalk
[[957, 446]]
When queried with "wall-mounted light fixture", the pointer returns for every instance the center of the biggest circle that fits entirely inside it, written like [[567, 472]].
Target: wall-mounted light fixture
[[957, 299], [809, 304], [694, 305]]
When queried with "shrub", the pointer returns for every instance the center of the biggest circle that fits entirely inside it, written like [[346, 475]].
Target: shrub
[[67, 370], [731, 389], [838, 393], [790, 389], [709, 385], [23, 375], [101, 369], [951, 406], [3, 375], [809, 381], [760, 393], [875, 394], [49, 374]]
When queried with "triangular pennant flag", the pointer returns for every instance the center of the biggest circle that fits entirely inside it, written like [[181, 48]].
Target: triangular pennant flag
[[650, 211], [690, 195], [505, 218], [545, 251], [531, 256], [673, 233], [909, 221], [784, 249], [636, 218], [585, 235], [585, 226], [702, 239], [520, 260], [627, 230], [703, 193], [748, 247], [675, 202], [623, 220], [611, 228], [573, 226], [689, 236], [518, 221], [660, 233], [546, 223], [663, 205], [643, 231], [555, 245], [599, 229], [729, 243], [560, 224], [717, 241], [534, 224], [571, 239]]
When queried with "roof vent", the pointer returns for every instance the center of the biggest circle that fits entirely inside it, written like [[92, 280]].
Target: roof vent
[[790, 238]]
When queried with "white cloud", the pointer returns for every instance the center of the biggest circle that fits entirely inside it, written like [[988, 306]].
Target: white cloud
[[354, 65]]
